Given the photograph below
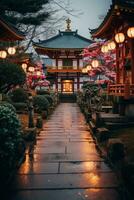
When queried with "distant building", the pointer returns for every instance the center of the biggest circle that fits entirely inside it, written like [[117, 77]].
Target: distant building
[[64, 50]]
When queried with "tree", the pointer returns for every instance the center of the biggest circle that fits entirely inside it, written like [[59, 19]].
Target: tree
[[11, 75], [106, 68], [28, 12]]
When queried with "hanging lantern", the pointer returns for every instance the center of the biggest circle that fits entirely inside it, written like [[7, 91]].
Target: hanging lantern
[[104, 49], [130, 32], [3, 54], [119, 37], [38, 73], [84, 70], [88, 67], [31, 69], [95, 63], [24, 66], [111, 45], [11, 50]]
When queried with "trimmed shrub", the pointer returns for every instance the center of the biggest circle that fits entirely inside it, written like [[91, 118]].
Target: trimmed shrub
[[19, 95], [42, 92], [11, 143], [49, 98], [40, 103], [10, 106], [20, 106]]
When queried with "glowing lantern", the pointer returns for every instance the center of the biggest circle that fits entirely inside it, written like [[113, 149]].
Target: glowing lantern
[[84, 70], [31, 69], [95, 63], [24, 66], [130, 32], [38, 73], [111, 45], [3, 54], [119, 37], [11, 50], [104, 49], [89, 67]]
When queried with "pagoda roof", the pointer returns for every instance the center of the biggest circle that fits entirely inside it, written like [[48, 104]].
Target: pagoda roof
[[8, 32], [64, 40], [120, 11]]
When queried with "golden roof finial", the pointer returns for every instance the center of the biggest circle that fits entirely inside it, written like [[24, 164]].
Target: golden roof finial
[[68, 21]]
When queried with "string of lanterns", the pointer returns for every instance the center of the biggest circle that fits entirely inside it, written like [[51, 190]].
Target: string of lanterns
[[119, 38], [10, 51]]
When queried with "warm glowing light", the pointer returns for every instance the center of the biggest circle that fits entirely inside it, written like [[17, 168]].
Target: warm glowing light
[[95, 63], [11, 50], [24, 66], [130, 32], [88, 67], [31, 69], [38, 73], [111, 45], [3, 54], [104, 49], [119, 37], [84, 70]]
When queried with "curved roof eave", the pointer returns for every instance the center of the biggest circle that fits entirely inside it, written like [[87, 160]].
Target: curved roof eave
[[15, 33]]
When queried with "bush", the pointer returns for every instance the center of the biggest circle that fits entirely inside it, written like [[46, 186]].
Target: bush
[[39, 122], [10, 140], [10, 106], [20, 106], [40, 103], [42, 92], [19, 95], [49, 98]]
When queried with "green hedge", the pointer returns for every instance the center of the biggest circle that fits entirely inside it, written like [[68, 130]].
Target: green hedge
[[19, 95], [40, 103], [11, 143]]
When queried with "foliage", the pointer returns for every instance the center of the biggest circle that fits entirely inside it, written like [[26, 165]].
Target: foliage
[[20, 106], [18, 95], [8, 105], [11, 75], [24, 12], [49, 98], [40, 103], [42, 92], [106, 70], [10, 139]]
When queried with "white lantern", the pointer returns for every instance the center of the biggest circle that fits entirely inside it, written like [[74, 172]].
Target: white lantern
[[3, 54], [88, 67], [38, 73], [119, 37], [95, 63], [11, 50], [130, 32], [111, 45], [24, 66], [104, 49], [31, 69]]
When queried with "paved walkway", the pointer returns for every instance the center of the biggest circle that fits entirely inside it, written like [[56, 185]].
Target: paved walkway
[[65, 164]]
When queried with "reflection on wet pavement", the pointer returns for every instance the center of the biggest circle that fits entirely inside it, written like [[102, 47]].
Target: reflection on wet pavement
[[64, 163]]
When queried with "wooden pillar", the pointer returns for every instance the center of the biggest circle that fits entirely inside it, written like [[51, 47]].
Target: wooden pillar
[[78, 75], [132, 58], [57, 81], [117, 65], [78, 80]]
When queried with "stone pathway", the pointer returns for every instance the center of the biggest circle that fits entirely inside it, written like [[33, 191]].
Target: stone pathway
[[65, 164]]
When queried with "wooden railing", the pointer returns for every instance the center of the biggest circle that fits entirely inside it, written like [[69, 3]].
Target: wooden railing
[[125, 90], [63, 69]]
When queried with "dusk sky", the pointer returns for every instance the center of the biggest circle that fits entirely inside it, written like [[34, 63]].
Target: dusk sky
[[91, 10]]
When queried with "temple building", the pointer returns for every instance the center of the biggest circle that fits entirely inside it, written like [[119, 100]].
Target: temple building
[[118, 28], [64, 50]]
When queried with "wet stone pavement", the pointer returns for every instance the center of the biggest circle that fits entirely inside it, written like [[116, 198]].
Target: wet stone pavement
[[64, 163]]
